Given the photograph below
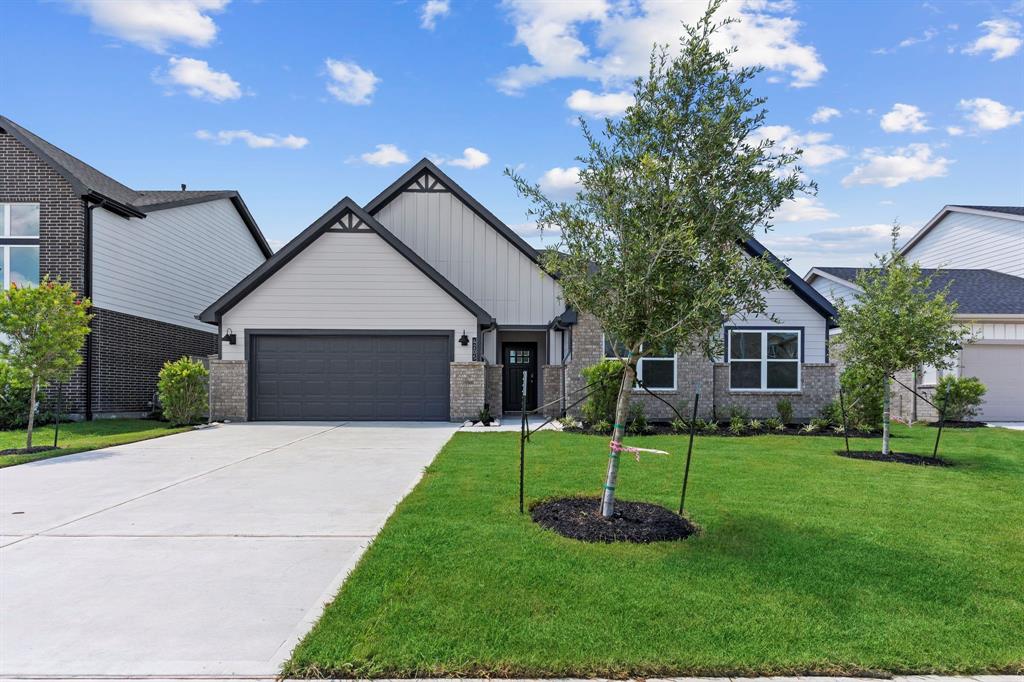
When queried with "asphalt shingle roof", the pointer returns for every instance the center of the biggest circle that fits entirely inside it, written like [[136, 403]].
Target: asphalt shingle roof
[[1009, 210], [976, 292]]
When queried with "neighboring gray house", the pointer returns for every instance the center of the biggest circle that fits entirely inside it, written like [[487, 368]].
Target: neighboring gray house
[[979, 252], [147, 259], [424, 305]]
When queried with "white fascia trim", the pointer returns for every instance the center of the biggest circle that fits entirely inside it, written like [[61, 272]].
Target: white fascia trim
[[817, 272]]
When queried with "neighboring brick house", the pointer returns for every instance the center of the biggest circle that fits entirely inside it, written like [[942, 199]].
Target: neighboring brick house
[[424, 305], [147, 259], [978, 252]]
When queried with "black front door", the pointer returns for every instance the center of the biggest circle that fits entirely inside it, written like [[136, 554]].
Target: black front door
[[518, 358]]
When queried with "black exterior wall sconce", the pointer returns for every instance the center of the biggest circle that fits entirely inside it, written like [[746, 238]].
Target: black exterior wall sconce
[[463, 340], [230, 337]]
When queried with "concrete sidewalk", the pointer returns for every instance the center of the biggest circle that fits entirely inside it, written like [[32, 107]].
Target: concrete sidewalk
[[207, 553], [898, 678]]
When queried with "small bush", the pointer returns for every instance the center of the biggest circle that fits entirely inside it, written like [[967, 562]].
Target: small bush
[[821, 424], [14, 398], [485, 417], [774, 424], [811, 428], [602, 426], [755, 425], [680, 426], [182, 390], [737, 425], [637, 422], [785, 409], [962, 396], [710, 427], [568, 422], [600, 406], [832, 413], [862, 393], [737, 412]]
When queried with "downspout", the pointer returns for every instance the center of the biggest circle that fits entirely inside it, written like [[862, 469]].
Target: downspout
[[87, 293]]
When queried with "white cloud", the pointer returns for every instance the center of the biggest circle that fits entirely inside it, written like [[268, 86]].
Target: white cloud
[[624, 32], [800, 209], [255, 141], [825, 114], [560, 182], [385, 155], [599, 105], [431, 11], [904, 118], [988, 114], [954, 131], [472, 158], [350, 82], [814, 144], [154, 24], [913, 162], [908, 42], [1002, 38], [839, 246], [199, 80]]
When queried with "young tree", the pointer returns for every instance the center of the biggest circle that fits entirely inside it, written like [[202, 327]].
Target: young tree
[[667, 195], [897, 324], [42, 330]]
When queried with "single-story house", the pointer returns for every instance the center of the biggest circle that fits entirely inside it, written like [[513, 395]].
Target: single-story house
[[978, 251], [422, 304]]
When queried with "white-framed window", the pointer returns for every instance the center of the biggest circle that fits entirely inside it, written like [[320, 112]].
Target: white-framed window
[[19, 243], [929, 376], [764, 359], [657, 371]]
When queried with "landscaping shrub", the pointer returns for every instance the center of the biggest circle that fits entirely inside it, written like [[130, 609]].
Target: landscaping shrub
[[182, 391], [637, 424], [756, 425], [774, 424], [600, 406], [680, 426], [832, 413], [737, 425], [862, 393], [962, 396], [785, 409], [15, 395]]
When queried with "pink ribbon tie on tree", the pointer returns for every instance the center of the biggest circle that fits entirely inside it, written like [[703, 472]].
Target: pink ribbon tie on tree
[[616, 446]]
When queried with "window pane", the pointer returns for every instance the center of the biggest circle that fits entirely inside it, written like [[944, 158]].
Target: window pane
[[782, 374], [25, 265], [610, 351], [3, 219], [929, 375], [24, 220], [745, 345], [658, 373], [783, 346], [745, 375]]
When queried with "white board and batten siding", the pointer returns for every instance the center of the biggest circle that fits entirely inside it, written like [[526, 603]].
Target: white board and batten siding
[[353, 281], [972, 241], [172, 264], [834, 291], [474, 257], [790, 311]]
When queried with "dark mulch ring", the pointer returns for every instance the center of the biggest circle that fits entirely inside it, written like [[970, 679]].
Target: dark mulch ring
[[26, 451], [664, 429], [580, 518], [958, 425], [898, 457]]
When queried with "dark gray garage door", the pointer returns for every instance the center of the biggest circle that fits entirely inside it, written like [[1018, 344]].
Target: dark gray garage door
[[357, 376]]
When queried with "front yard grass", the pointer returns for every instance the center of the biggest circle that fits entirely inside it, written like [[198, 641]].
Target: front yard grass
[[80, 436], [807, 562]]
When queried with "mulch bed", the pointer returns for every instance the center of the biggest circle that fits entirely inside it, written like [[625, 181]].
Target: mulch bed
[[662, 429], [26, 451], [897, 457], [958, 425], [580, 518]]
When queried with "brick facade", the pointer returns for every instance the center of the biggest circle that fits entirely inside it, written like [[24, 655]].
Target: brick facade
[[228, 390], [693, 370], [552, 379], [495, 397], [128, 354], [467, 390], [906, 407]]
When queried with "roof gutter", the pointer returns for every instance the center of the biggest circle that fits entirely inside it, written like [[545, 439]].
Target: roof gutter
[[123, 210]]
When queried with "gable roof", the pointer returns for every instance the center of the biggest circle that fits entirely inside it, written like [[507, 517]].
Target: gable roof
[[1007, 212], [976, 292], [95, 185], [327, 221], [800, 287], [426, 166]]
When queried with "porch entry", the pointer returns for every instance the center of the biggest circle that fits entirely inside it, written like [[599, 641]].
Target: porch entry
[[517, 357]]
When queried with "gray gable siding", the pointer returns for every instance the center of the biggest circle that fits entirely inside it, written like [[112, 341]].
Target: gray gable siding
[[467, 251], [969, 240]]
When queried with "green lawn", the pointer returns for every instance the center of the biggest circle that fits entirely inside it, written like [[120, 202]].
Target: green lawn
[[807, 562], [80, 436]]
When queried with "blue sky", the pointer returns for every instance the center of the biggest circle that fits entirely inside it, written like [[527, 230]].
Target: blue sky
[[902, 107]]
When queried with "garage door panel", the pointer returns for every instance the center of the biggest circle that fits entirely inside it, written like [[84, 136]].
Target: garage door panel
[[326, 377], [1001, 368]]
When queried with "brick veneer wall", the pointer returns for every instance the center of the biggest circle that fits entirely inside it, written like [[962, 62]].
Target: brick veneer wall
[[129, 352], [819, 388], [819, 383], [552, 377], [228, 389], [25, 178], [495, 398], [467, 390], [903, 407]]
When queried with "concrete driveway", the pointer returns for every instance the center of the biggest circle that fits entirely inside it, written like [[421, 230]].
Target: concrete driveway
[[205, 553]]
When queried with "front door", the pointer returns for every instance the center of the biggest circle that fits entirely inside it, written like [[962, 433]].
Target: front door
[[518, 358]]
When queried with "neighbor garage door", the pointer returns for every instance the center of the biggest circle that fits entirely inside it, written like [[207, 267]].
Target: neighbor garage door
[[1001, 369], [349, 376]]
